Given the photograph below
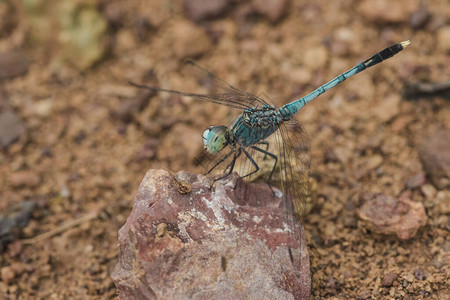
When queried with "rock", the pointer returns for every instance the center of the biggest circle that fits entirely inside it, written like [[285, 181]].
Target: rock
[[202, 243], [83, 33], [15, 248], [383, 11], [389, 279], [374, 162], [443, 39], [13, 64], [11, 127], [24, 178], [365, 294], [434, 153], [189, 40], [7, 274], [273, 10], [114, 13], [428, 191], [386, 215], [419, 274], [199, 10], [415, 181], [420, 17], [13, 221]]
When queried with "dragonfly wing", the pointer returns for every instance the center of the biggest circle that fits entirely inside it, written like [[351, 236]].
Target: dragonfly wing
[[222, 88], [295, 161], [217, 99]]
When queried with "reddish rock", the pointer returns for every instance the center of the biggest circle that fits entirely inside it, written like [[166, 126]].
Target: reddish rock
[[11, 128], [202, 243], [435, 155], [389, 279], [383, 214], [415, 181], [274, 10], [420, 17], [199, 10], [419, 274], [13, 64]]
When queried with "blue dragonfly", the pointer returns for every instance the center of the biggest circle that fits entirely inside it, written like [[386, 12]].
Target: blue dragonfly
[[270, 132]]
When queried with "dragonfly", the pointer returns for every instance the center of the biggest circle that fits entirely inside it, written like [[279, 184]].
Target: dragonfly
[[259, 121]]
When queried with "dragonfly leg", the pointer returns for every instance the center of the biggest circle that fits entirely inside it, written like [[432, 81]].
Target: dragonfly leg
[[266, 143], [220, 161], [230, 166], [271, 155], [252, 161]]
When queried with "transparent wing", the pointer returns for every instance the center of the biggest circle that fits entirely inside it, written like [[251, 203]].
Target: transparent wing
[[296, 163], [221, 92], [224, 89], [222, 99]]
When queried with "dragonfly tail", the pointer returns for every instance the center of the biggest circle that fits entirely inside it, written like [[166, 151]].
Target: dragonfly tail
[[290, 109]]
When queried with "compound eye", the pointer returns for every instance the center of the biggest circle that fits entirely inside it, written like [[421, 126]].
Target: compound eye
[[205, 135], [215, 138]]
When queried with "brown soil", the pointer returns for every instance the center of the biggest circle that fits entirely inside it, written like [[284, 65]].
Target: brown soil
[[90, 137]]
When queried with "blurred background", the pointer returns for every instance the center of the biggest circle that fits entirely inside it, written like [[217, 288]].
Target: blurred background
[[76, 139]]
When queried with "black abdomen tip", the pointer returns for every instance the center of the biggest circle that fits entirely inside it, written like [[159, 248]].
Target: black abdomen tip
[[386, 53]]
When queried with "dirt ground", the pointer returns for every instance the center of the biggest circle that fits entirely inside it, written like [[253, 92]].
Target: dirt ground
[[78, 139]]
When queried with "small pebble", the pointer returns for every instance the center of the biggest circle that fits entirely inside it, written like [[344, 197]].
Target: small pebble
[[419, 274], [24, 178], [364, 295], [443, 39], [11, 127], [273, 10], [7, 274], [415, 181], [189, 40], [419, 18], [389, 279], [434, 153], [199, 10], [13, 64], [383, 11]]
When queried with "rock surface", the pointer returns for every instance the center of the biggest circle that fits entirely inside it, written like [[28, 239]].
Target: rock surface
[[183, 240], [387, 215], [435, 155]]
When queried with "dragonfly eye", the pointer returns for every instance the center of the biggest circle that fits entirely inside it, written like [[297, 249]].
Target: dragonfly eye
[[215, 138], [205, 135]]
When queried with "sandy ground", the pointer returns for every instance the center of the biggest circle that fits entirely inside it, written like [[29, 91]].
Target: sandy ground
[[81, 139]]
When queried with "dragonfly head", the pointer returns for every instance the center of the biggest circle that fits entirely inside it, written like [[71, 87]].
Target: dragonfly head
[[215, 138]]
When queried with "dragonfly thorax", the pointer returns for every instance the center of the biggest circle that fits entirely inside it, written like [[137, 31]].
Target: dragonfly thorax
[[215, 138], [266, 116]]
